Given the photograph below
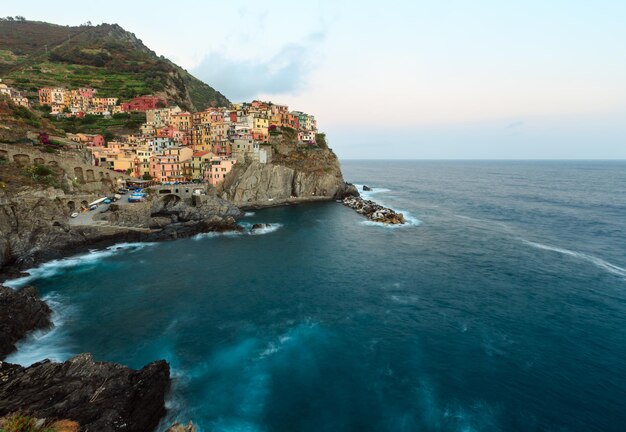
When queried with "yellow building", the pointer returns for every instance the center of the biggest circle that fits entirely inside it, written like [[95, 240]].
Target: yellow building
[[201, 137], [182, 121]]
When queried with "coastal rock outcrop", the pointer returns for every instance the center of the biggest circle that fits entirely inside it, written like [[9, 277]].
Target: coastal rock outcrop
[[100, 396], [373, 211], [296, 173], [21, 311]]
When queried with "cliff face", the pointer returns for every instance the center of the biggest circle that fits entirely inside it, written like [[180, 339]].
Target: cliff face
[[100, 396], [296, 173], [21, 311]]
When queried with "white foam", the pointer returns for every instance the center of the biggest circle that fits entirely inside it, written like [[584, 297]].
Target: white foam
[[410, 220], [270, 228], [374, 191], [49, 343], [598, 262], [248, 214], [90, 258]]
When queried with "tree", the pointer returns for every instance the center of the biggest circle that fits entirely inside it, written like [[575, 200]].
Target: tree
[[146, 176], [20, 18]]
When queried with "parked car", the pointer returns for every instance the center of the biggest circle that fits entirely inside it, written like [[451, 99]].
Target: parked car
[[122, 191], [75, 214], [93, 207], [107, 201]]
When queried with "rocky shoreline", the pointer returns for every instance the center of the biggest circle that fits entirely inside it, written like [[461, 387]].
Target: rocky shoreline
[[99, 396], [373, 211], [21, 311], [94, 395]]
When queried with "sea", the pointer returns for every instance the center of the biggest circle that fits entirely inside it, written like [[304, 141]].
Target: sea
[[499, 306]]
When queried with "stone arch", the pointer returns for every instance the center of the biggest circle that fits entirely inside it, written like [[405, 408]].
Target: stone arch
[[53, 164], [171, 200], [4, 154], [39, 161], [165, 191], [71, 205], [107, 175], [21, 159], [84, 204], [90, 176]]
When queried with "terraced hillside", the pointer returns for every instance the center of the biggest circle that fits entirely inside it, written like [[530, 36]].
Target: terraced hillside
[[35, 54]]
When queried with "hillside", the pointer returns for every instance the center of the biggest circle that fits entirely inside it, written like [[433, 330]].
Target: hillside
[[106, 57]]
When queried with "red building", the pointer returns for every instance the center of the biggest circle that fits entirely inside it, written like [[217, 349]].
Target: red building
[[144, 103]]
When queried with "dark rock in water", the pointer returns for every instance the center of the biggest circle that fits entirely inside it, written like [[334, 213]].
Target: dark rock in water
[[346, 190], [21, 311], [257, 226], [366, 188], [374, 212], [100, 396]]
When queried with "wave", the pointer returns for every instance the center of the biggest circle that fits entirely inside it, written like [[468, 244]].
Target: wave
[[374, 190], [54, 267], [213, 234], [52, 343], [598, 262], [270, 228], [248, 214]]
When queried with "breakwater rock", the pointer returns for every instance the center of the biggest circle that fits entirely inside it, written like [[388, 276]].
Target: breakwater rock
[[100, 396], [21, 311], [374, 212]]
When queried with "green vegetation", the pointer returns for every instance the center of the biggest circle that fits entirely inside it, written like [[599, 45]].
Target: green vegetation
[[43, 175], [26, 115], [22, 423], [7, 56], [320, 140], [118, 124], [125, 85], [105, 57], [146, 176]]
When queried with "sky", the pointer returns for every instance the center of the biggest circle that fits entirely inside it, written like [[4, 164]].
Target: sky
[[398, 79]]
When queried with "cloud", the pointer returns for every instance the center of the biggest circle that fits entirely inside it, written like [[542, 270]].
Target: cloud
[[285, 72]]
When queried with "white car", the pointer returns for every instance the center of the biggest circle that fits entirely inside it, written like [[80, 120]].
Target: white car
[[74, 215]]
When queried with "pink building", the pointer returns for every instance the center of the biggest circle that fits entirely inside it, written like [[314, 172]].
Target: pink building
[[217, 169], [98, 141], [144, 103]]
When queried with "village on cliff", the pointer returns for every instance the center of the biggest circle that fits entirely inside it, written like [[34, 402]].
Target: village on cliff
[[175, 145]]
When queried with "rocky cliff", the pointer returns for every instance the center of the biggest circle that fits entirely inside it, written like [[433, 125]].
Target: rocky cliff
[[296, 173], [21, 311], [103, 397]]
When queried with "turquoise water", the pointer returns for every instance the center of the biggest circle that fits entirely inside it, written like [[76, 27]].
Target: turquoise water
[[501, 307]]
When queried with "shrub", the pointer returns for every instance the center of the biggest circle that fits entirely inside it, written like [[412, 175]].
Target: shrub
[[41, 170], [320, 139], [22, 423]]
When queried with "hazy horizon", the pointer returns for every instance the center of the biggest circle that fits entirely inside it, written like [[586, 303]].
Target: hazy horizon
[[418, 80]]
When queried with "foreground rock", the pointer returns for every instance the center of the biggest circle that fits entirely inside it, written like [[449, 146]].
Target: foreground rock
[[374, 212], [100, 396], [21, 311]]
